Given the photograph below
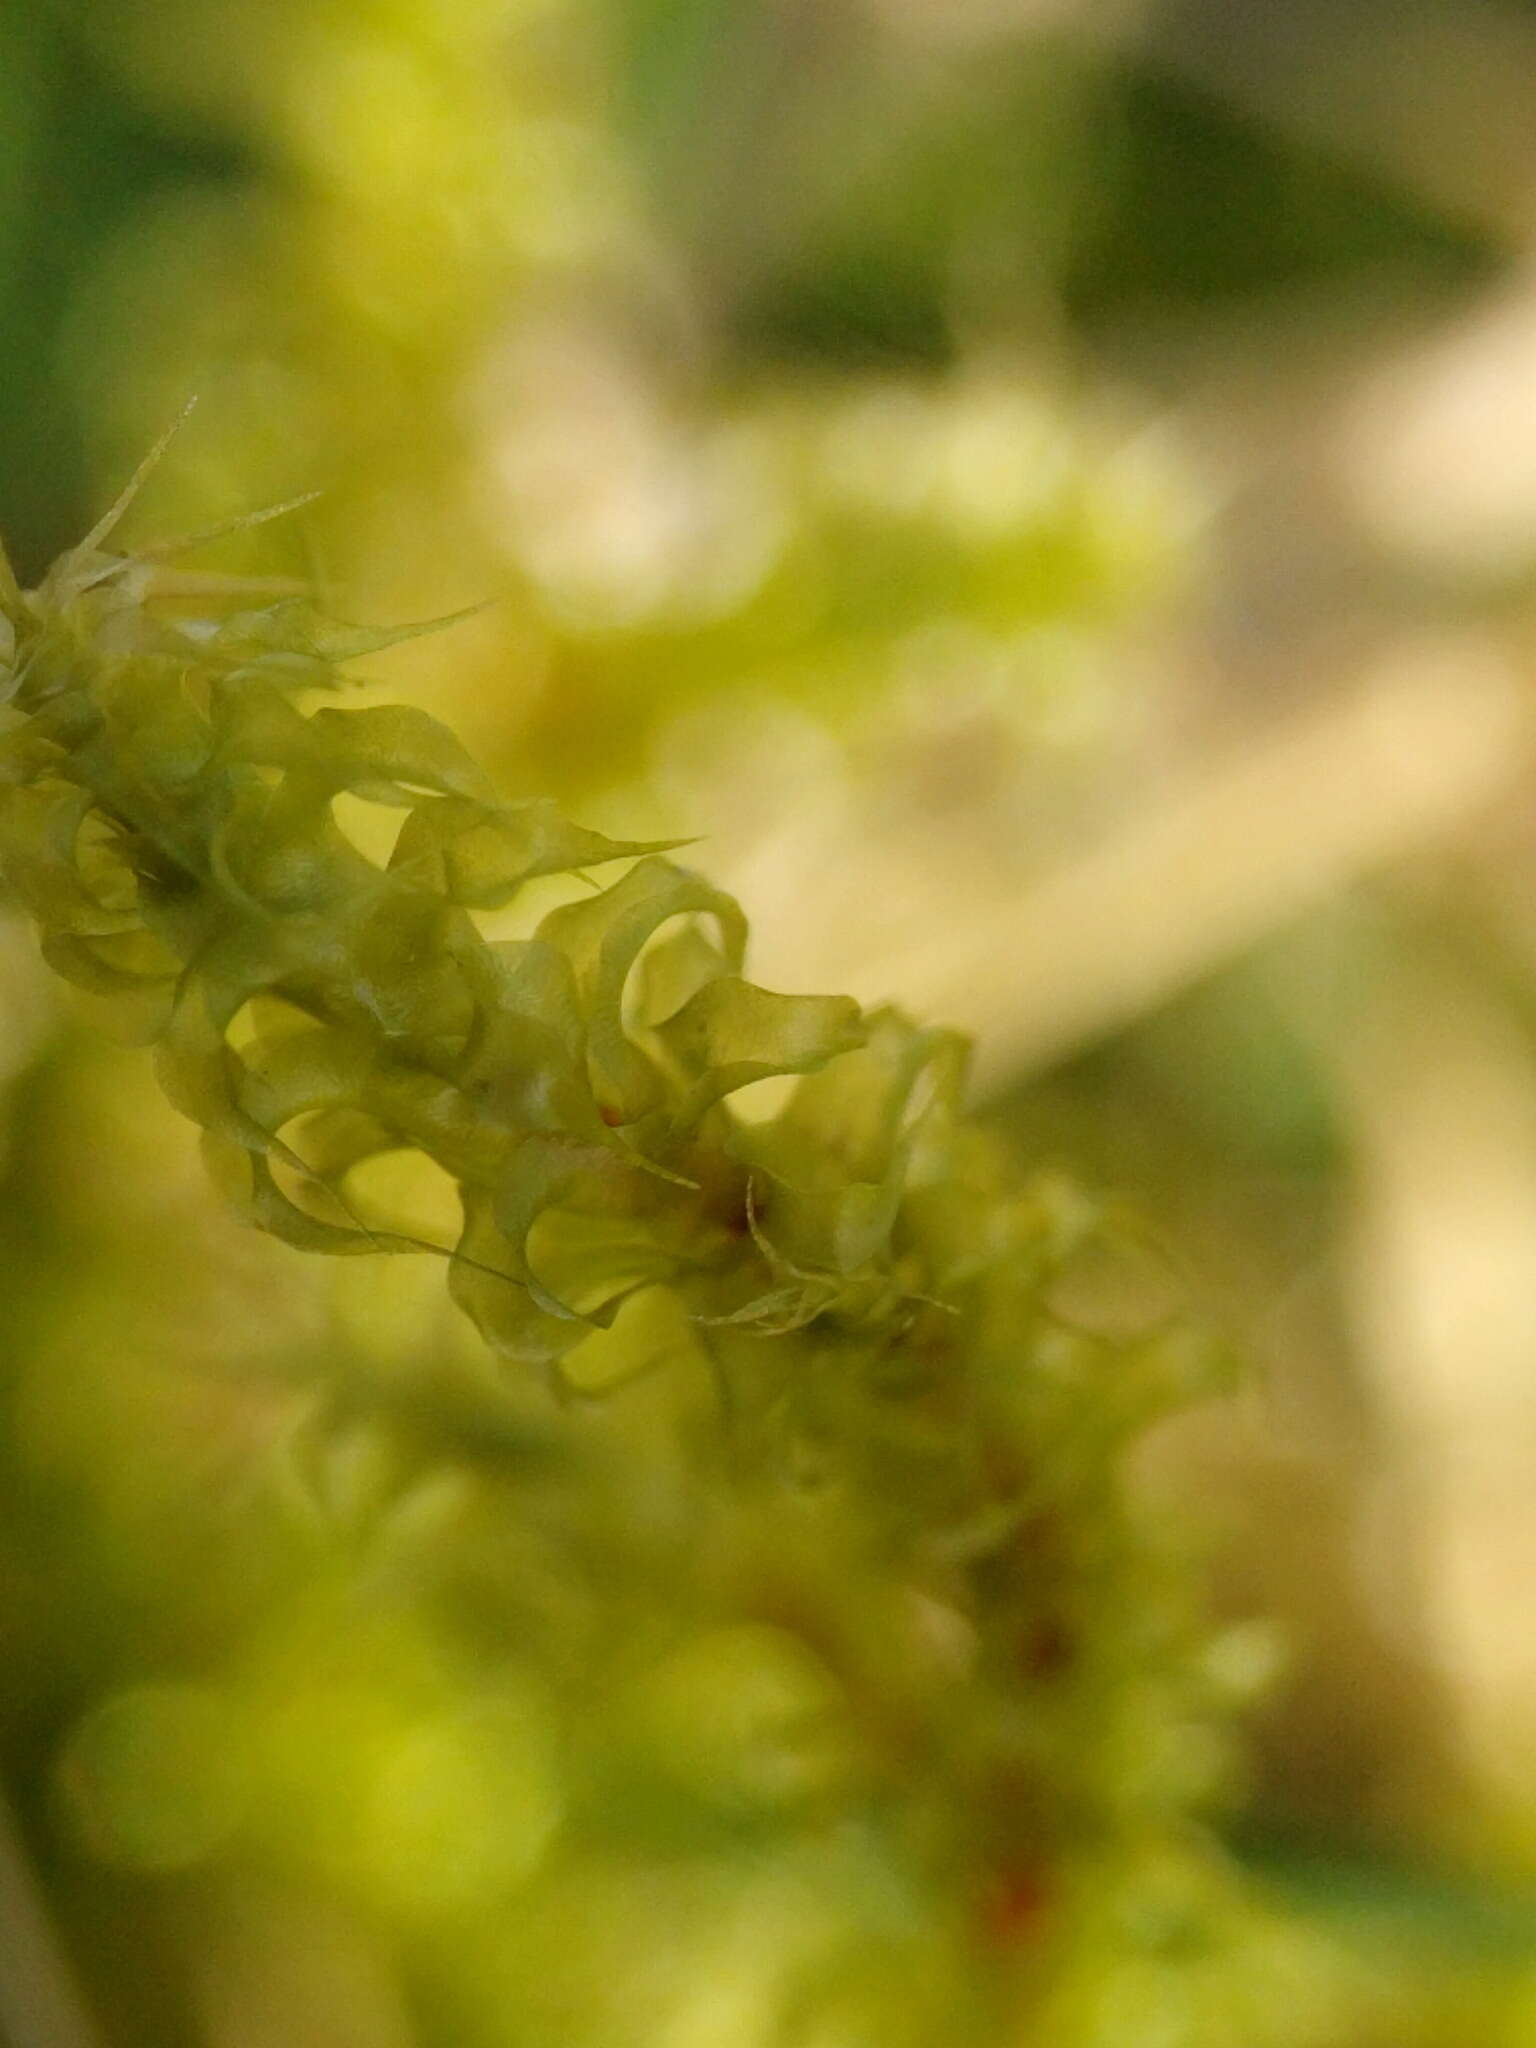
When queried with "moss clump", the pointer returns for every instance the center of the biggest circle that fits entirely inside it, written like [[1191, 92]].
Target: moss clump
[[870, 1561]]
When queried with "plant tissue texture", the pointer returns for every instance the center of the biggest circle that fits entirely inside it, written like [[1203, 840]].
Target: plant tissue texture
[[864, 1585]]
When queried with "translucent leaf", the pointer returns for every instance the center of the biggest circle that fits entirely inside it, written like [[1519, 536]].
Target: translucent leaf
[[381, 747], [485, 1283], [480, 855], [732, 1033], [297, 638], [602, 938], [39, 833]]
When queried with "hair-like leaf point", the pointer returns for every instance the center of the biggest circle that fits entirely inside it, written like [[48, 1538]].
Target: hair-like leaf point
[[109, 521]]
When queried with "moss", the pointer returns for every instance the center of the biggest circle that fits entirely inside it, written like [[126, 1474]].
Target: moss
[[834, 1336]]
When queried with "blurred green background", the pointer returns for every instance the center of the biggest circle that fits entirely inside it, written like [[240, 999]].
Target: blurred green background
[[1047, 489]]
